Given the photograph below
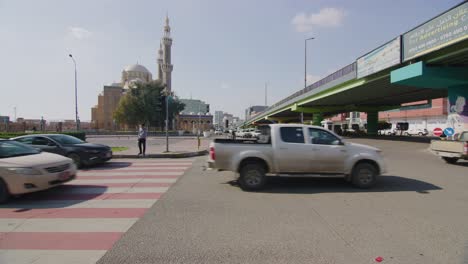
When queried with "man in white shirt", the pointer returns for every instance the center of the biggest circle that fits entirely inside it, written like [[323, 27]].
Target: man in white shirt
[[142, 133]]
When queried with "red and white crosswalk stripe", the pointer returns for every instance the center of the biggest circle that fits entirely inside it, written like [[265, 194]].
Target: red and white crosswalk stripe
[[79, 221]]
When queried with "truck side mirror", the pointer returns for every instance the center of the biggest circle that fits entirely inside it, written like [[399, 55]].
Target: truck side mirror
[[338, 142]]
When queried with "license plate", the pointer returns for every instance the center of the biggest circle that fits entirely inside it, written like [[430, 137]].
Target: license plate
[[64, 175]]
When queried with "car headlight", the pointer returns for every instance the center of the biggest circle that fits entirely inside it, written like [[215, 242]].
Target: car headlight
[[25, 171]]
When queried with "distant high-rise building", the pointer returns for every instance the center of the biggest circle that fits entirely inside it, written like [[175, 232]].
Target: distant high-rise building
[[227, 120], [194, 106], [195, 117], [254, 110], [4, 119], [236, 121], [218, 118]]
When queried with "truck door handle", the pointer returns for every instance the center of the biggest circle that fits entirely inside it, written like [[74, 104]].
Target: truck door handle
[[315, 149], [283, 148], [343, 150]]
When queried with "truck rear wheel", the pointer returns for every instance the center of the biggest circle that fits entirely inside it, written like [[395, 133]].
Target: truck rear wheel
[[450, 160], [364, 175], [252, 177]]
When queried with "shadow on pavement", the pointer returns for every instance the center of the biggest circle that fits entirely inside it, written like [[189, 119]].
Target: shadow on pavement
[[461, 163], [339, 185], [57, 197], [108, 166]]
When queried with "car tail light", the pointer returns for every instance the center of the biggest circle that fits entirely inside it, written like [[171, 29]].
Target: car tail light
[[465, 148], [212, 153]]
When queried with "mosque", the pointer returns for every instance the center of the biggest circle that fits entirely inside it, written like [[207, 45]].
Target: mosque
[[108, 100]]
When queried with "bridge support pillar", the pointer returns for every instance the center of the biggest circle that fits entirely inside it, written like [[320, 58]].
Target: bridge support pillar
[[454, 79], [317, 119], [457, 114], [372, 123]]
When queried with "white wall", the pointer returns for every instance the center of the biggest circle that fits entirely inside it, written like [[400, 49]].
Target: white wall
[[427, 123]]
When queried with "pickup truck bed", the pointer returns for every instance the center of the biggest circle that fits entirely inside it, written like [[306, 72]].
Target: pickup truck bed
[[451, 150]]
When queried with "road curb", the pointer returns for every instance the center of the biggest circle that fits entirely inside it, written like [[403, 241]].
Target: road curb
[[163, 155]]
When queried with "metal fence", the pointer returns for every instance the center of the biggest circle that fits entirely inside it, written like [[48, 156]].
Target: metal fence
[[332, 77]]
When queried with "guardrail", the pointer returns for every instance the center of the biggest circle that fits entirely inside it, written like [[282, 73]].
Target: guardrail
[[332, 77]]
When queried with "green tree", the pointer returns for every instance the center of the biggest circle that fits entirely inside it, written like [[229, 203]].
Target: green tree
[[145, 103], [141, 104], [175, 107], [128, 111]]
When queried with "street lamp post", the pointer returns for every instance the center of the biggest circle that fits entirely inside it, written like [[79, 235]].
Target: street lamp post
[[305, 71], [167, 94], [76, 96]]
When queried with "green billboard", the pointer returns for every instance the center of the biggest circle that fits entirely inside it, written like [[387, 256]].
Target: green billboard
[[442, 31]]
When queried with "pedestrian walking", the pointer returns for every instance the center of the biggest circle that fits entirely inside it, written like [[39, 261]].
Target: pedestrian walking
[[142, 133], [233, 135]]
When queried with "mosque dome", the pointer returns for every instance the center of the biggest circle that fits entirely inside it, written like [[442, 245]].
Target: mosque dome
[[136, 68], [135, 73]]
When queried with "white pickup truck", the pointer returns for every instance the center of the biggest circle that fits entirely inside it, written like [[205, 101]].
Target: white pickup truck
[[452, 150], [295, 150]]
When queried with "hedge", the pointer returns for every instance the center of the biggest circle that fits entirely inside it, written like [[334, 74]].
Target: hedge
[[80, 135]]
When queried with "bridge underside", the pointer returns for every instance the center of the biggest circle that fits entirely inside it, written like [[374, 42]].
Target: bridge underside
[[377, 92]]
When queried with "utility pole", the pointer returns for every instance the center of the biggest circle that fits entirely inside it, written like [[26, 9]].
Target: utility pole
[[199, 124], [76, 96], [305, 71], [167, 123], [166, 93], [266, 91], [14, 110], [199, 119]]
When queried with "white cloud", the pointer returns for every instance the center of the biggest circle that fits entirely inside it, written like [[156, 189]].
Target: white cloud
[[326, 17], [312, 78], [79, 33]]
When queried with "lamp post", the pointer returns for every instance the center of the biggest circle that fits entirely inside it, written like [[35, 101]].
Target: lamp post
[[76, 96], [167, 94], [305, 71], [199, 120]]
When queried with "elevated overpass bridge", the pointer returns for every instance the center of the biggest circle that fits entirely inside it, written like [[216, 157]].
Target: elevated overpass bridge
[[427, 62]]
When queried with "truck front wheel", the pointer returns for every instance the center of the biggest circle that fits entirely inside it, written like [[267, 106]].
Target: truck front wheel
[[252, 177], [364, 175], [450, 160]]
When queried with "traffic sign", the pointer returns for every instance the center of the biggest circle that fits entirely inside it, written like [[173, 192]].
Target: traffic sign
[[437, 131], [449, 131]]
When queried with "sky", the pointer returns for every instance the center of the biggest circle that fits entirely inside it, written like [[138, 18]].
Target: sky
[[223, 52]]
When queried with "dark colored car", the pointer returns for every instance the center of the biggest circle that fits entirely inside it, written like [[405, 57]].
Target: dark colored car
[[81, 152]]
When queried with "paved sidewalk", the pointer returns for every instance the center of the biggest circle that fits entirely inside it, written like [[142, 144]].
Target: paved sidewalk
[[156, 146], [76, 223]]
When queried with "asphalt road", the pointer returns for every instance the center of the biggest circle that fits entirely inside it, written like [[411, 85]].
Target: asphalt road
[[417, 213]]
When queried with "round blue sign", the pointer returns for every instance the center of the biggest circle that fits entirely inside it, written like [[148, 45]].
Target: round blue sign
[[449, 131]]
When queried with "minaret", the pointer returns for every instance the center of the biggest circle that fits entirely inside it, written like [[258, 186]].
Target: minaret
[[166, 65], [160, 62]]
